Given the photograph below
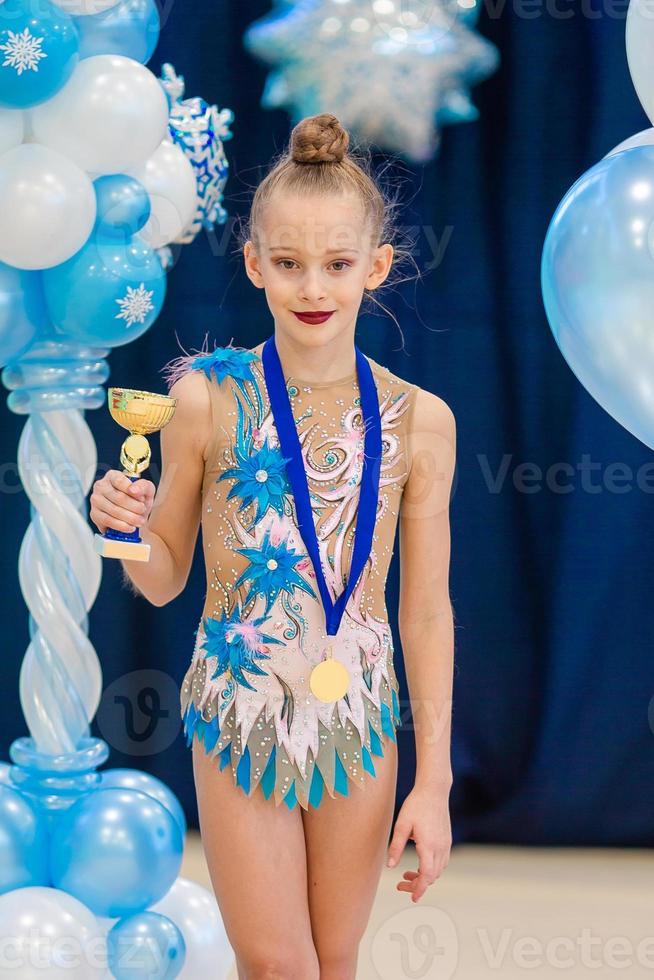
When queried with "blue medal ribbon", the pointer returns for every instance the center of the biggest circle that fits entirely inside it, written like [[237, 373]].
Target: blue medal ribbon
[[369, 488]]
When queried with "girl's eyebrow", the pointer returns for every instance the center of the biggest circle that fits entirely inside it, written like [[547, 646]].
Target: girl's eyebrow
[[330, 251]]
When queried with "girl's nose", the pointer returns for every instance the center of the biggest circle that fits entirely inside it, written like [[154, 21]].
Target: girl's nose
[[313, 288]]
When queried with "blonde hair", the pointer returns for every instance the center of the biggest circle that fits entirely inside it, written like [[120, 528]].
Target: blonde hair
[[318, 161]]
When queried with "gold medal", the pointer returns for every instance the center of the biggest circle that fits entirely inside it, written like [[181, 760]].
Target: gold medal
[[329, 679]]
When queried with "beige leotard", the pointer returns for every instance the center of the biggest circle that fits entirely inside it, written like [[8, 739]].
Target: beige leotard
[[246, 692]]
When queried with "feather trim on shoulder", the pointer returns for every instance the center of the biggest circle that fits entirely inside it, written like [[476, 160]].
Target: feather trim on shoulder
[[222, 361]]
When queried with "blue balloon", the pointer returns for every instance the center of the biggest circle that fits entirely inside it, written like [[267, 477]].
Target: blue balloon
[[123, 206], [131, 28], [56, 374], [116, 850], [40, 50], [145, 783], [23, 842], [147, 945], [22, 310], [108, 293], [597, 277]]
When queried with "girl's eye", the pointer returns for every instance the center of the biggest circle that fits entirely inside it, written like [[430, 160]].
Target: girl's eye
[[340, 262]]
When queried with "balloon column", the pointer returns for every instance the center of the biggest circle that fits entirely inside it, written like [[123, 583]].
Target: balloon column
[[101, 171], [390, 74], [597, 269]]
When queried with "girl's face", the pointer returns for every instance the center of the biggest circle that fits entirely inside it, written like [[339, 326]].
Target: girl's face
[[314, 256]]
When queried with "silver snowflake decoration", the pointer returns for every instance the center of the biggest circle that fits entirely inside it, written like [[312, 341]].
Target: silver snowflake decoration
[[135, 305], [23, 51], [393, 72]]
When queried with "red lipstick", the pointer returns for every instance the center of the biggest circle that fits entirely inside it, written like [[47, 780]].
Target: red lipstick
[[314, 316]]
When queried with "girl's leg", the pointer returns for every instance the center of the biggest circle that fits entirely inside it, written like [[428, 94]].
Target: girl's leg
[[346, 840], [256, 856]]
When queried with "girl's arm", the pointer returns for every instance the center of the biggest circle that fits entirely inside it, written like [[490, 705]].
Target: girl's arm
[[426, 626], [425, 618], [171, 528]]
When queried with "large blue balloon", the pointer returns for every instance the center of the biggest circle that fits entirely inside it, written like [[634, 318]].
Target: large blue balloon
[[39, 45], [108, 293], [22, 310], [597, 276], [131, 28], [123, 206], [23, 842], [116, 850], [145, 783], [145, 945]]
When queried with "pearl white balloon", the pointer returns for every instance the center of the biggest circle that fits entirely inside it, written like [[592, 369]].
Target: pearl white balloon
[[47, 207], [12, 129], [49, 933], [644, 138], [169, 179], [81, 8], [639, 37], [195, 912], [109, 117]]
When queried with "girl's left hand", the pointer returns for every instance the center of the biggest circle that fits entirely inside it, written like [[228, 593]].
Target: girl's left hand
[[424, 817]]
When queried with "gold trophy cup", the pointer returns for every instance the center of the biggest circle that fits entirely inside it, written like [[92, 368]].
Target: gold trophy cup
[[141, 413]]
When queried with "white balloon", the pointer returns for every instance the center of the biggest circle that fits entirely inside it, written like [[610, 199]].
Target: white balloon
[[644, 138], [109, 117], [195, 912], [12, 129], [169, 179], [47, 207], [49, 933], [639, 37], [81, 8]]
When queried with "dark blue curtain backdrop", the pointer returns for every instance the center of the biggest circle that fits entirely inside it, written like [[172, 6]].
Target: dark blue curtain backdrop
[[551, 572]]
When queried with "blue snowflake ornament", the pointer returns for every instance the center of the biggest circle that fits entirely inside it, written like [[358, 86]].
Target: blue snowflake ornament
[[200, 130]]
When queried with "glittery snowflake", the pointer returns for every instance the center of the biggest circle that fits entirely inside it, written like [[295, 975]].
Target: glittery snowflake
[[392, 72], [23, 51], [135, 305]]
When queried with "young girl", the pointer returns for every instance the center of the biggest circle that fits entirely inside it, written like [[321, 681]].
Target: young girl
[[293, 698]]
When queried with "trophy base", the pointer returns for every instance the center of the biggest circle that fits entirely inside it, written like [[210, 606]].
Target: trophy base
[[130, 550]]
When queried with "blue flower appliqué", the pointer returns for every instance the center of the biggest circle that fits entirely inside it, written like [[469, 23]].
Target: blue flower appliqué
[[224, 361], [260, 477], [272, 570], [237, 644]]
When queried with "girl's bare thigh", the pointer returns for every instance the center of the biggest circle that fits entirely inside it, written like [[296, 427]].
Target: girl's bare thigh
[[346, 841], [256, 855]]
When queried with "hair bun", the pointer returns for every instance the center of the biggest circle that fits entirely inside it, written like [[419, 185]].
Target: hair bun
[[319, 139]]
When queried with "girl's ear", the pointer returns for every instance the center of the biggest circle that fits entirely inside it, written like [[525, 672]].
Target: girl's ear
[[381, 266], [252, 268]]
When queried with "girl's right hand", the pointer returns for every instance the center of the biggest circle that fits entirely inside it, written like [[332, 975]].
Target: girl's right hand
[[120, 503]]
